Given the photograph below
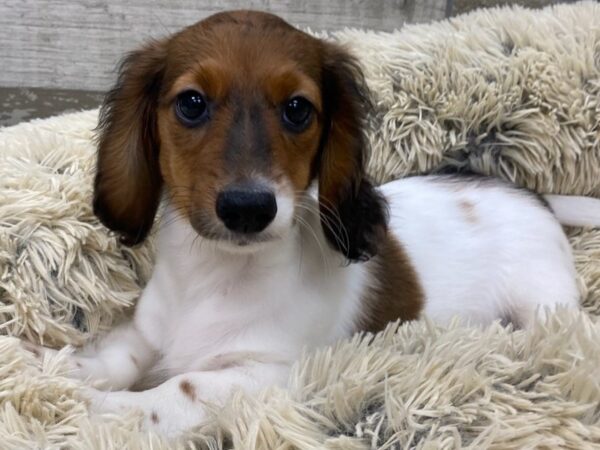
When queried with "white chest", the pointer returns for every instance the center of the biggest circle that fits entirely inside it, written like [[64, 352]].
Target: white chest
[[194, 311]]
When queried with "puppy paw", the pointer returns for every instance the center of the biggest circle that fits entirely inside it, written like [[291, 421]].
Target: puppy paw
[[159, 416], [105, 402]]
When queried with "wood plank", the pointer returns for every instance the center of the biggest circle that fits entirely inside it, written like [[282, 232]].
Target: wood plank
[[76, 45]]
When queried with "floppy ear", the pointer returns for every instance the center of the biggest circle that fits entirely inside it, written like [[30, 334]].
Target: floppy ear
[[128, 181], [353, 213]]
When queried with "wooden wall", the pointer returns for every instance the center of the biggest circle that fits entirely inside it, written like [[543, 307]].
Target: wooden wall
[[75, 45]]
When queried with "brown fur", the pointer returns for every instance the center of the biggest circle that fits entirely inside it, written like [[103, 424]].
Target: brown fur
[[154, 417], [188, 389], [127, 184], [397, 293], [248, 64]]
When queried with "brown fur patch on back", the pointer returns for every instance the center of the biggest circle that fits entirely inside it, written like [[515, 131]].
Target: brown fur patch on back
[[188, 389], [395, 292], [468, 208]]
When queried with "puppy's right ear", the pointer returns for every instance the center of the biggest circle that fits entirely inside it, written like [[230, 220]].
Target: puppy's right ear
[[128, 181]]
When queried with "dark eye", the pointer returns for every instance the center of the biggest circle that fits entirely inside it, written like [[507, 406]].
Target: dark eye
[[191, 108], [297, 113]]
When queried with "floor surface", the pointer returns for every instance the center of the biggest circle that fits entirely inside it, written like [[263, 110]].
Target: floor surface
[[23, 104]]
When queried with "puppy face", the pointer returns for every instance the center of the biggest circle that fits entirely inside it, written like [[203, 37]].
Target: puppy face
[[234, 117], [239, 127]]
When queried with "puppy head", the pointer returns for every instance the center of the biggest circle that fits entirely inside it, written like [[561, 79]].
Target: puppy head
[[234, 117]]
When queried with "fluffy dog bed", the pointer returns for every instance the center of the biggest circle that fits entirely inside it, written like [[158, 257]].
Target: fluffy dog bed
[[508, 92]]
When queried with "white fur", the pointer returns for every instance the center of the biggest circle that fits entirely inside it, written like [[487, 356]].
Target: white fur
[[214, 319], [575, 210], [482, 250]]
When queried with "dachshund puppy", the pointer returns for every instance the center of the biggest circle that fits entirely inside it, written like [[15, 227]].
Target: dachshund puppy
[[272, 239]]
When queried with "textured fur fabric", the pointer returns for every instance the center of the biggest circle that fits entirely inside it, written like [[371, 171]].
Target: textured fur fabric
[[509, 92]]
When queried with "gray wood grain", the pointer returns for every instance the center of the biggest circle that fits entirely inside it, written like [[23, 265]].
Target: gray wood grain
[[76, 45]]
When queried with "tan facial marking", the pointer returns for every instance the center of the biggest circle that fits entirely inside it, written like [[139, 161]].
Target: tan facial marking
[[188, 389], [287, 82], [207, 77]]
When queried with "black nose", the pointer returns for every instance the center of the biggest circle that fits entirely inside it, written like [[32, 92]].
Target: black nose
[[246, 209]]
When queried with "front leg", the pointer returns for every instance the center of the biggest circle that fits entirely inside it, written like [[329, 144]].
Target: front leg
[[179, 404], [117, 361]]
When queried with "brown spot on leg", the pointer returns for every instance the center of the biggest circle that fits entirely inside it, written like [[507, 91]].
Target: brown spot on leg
[[188, 389], [468, 209], [154, 417]]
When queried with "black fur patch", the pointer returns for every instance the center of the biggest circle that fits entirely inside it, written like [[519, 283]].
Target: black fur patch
[[361, 223]]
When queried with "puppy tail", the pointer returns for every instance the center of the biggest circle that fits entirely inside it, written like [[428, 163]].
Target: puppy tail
[[575, 210]]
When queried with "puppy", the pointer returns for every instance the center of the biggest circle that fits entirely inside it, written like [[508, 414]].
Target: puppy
[[272, 239]]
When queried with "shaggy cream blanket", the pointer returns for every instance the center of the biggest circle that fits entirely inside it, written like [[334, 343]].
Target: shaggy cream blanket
[[508, 92]]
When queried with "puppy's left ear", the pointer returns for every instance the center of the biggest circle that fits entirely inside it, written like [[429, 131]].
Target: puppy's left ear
[[128, 182], [353, 214]]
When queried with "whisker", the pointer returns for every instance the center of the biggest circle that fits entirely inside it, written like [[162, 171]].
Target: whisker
[[327, 222], [333, 215], [333, 212], [315, 210], [312, 232]]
